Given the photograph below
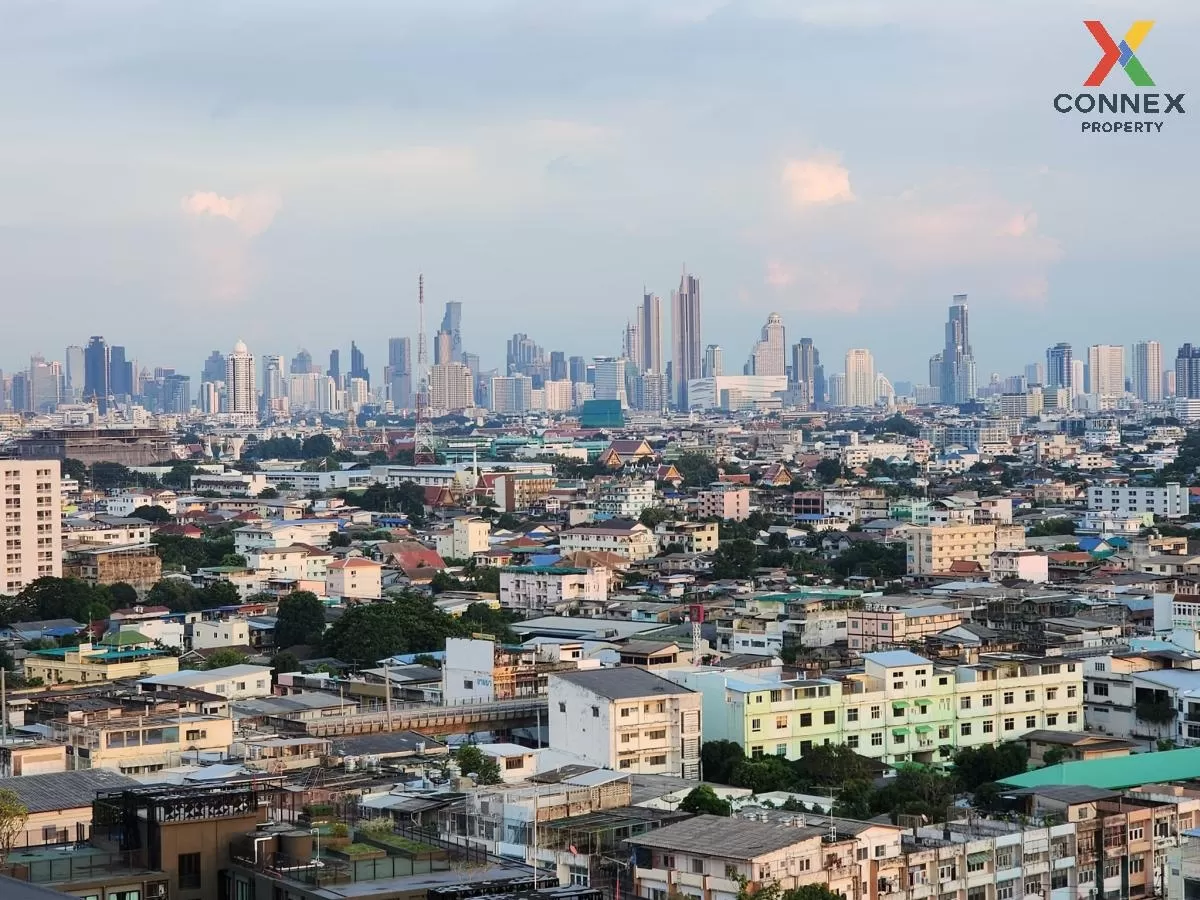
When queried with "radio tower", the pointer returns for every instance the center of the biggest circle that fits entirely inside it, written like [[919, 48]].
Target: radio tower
[[423, 449]]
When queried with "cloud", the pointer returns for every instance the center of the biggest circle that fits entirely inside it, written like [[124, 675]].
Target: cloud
[[779, 275], [820, 181], [252, 213]]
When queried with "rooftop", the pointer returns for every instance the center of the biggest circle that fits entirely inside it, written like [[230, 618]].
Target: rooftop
[[63, 790], [200, 677], [1116, 772], [622, 682], [726, 838]]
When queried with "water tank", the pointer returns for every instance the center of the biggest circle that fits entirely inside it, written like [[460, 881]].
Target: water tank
[[296, 846]]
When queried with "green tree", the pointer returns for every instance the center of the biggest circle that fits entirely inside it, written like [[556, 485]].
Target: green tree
[[74, 468], [696, 469], [61, 598], [317, 446], [13, 816], [777, 540], [828, 765], [479, 618], [123, 595], [974, 766], [275, 448], [917, 792], [409, 623], [767, 773], [828, 470], [180, 476], [226, 656], [1051, 527], [654, 515], [282, 663], [219, 593], [735, 559], [478, 765], [340, 539], [812, 892], [718, 760], [150, 513], [881, 561], [486, 579], [1054, 756], [268, 493], [176, 594], [703, 800], [233, 560], [301, 620]]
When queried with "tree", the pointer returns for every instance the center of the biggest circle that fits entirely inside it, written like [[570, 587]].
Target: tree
[[486, 579], [151, 513], [233, 561], [777, 540], [1054, 756], [317, 446], [226, 656], [123, 595], [718, 760], [409, 623], [474, 762], [915, 792], [881, 561], [828, 470], [974, 766], [812, 892], [826, 765], [696, 469], [13, 816], [61, 598], [268, 493], [301, 620], [735, 559], [282, 663], [340, 539], [767, 773], [74, 468], [654, 515], [703, 800], [176, 594], [1054, 526], [180, 476]]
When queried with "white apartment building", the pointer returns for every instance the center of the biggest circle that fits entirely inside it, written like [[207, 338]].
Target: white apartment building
[[1168, 502], [467, 536], [124, 503], [242, 682], [624, 499], [299, 561], [212, 634], [1021, 565], [249, 538], [540, 590], [31, 497], [633, 540], [354, 578], [626, 719]]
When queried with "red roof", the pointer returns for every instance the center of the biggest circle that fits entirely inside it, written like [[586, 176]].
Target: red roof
[[355, 562], [965, 567]]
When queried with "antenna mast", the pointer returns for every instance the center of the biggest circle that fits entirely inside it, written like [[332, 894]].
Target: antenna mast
[[424, 453]]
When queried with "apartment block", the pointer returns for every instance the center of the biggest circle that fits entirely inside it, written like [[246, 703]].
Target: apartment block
[[1168, 502], [517, 492], [90, 664], [875, 626], [466, 536], [539, 590], [31, 498], [932, 549], [624, 499], [626, 538], [627, 719], [134, 745], [724, 501], [693, 537]]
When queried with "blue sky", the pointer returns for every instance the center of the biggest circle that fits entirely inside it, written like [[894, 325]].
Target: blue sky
[[177, 175]]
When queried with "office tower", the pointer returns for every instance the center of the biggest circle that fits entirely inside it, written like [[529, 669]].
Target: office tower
[[935, 372], [523, 355], [650, 330], [1168, 383], [443, 352], [577, 370], [957, 382], [631, 343], [239, 383], [1106, 370], [769, 356], [274, 379], [301, 364], [1035, 373], [558, 366], [1187, 372], [452, 326], [807, 370], [120, 373], [177, 394], [335, 364], [358, 364], [610, 379], [451, 387], [685, 337], [837, 389], [400, 372], [511, 394], [1059, 368], [31, 495], [1147, 371], [73, 375], [95, 373], [45, 385], [860, 378], [714, 361], [650, 393]]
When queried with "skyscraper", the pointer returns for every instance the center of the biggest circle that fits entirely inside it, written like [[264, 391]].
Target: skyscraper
[[523, 354], [860, 378], [452, 326], [577, 369], [73, 375], [1147, 371], [714, 361], [1059, 368], [650, 330], [335, 364], [358, 364], [558, 365], [120, 373], [240, 384], [685, 337], [443, 348], [95, 373], [769, 356], [302, 364], [1187, 372], [1035, 373], [45, 384], [808, 371], [957, 382], [177, 394], [631, 343], [1106, 371], [610, 379], [400, 371]]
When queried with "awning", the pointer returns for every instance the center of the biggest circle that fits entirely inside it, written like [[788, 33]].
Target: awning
[[924, 701], [921, 729], [976, 858], [899, 731], [902, 704]]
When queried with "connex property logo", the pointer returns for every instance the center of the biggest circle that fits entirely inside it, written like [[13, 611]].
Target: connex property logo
[[1101, 108]]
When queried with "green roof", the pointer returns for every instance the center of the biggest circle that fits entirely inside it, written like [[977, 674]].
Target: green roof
[[1117, 772], [124, 639]]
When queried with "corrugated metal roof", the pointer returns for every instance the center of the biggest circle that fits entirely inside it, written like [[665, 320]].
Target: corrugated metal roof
[[64, 790], [1118, 772]]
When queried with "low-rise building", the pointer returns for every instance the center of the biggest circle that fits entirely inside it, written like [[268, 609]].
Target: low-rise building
[[137, 565], [466, 536], [354, 578], [1169, 501], [629, 539], [724, 501], [231, 682], [878, 625], [211, 634], [624, 499], [692, 537], [933, 548], [89, 664], [137, 745], [544, 590], [1020, 565]]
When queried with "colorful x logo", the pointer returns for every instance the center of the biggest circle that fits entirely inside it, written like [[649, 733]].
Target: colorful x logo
[[1120, 53]]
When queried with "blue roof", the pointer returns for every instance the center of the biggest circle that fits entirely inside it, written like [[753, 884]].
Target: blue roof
[[1089, 544], [892, 658], [544, 559]]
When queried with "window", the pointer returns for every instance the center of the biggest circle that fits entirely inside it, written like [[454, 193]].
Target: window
[[1008, 698], [595, 712], [976, 863], [627, 737], [625, 764], [805, 746], [1033, 885], [1136, 834], [1051, 720], [943, 732], [876, 712], [1010, 723], [964, 703], [189, 871], [1030, 696], [805, 720], [947, 872], [989, 726], [781, 749], [1072, 690], [626, 712], [964, 729], [898, 712], [1072, 718], [987, 699], [196, 734], [562, 707], [830, 717], [468, 684], [977, 893], [659, 734], [513, 762], [1051, 693], [898, 737], [756, 724], [876, 738], [852, 741], [756, 752], [579, 876], [1031, 721], [781, 721], [1100, 690], [860, 853], [852, 715], [698, 866]]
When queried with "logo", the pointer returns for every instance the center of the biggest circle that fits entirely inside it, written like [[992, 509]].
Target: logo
[[1122, 53]]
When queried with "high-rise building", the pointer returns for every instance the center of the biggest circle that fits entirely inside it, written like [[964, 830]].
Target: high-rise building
[[1059, 369], [714, 361], [650, 331], [935, 372], [358, 364], [400, 372], [577, 370], [120, 373], [770, 353], [335, 364], [807, 371], [631, 343], [240, 383], [1106, 370], [274, 384], [837, 389], [650, 392], [45, 385], [73, 375], [524, 355], [452, 326], [95, 373], [860, 378], [957, 382], [302, 364], [31, 495], [451, 387], [1187, 372], [1147, 371], [610, 379], [177, 394], [1168, 383], [1035, 373], [685, 337], [443, 348], [512, 394], [558, 366]]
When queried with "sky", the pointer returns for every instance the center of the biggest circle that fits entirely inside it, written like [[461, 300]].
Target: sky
[[178, 175]]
